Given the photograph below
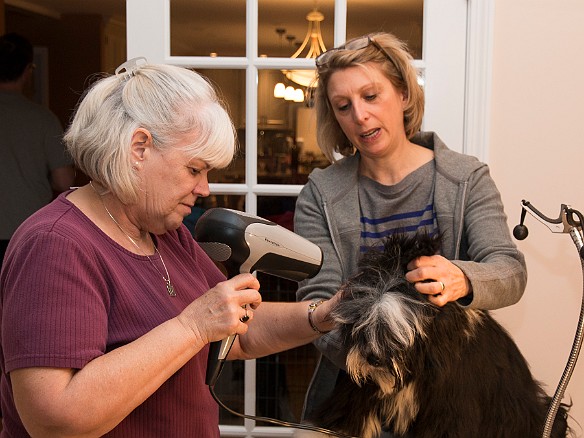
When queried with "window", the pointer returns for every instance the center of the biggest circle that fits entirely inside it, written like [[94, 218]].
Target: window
[[245, 47]]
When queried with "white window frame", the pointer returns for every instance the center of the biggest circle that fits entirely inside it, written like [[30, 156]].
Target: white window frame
[[457, 66]]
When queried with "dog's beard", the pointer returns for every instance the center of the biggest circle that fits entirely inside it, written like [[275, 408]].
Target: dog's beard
[[384, 329], [398, 399]]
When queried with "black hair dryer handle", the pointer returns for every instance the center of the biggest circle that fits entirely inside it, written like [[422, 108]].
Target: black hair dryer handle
[[218, 352]]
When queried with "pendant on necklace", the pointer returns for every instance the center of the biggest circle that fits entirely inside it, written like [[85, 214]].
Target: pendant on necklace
[[170, 289]]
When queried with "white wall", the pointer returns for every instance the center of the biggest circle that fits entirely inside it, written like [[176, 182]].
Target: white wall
[[536, 154]]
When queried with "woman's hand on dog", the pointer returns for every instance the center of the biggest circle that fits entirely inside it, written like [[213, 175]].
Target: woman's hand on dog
[[438, 278]]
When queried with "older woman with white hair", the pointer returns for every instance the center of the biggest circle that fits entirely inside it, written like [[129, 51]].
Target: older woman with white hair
[[108, 304]]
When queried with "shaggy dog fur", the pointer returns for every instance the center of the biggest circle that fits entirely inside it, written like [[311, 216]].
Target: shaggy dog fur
[[423, 371]]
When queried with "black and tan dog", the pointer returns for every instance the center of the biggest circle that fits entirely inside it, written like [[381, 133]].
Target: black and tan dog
[[423, 371]]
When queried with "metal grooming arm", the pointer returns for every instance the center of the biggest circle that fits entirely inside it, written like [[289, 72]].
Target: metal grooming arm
[[569, 221]]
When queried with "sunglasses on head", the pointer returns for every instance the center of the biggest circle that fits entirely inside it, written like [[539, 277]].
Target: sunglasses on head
[[356, 44]]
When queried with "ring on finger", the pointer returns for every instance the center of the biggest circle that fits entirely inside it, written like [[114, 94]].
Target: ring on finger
[[442, 285], [245, 317]]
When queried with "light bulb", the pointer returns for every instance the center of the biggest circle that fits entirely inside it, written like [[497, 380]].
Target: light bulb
[[298, 95], [289, 93], [279, 90]]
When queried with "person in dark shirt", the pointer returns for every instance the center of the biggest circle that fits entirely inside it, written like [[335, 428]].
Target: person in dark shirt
[[33, 162]]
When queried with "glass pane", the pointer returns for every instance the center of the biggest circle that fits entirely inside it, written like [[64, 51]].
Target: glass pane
[[282, 379], [230, 85], [235, 202], [287, 148], [283, 26], [273, 112], [203, 28], [229, 389], [404, 19], [278, 209]]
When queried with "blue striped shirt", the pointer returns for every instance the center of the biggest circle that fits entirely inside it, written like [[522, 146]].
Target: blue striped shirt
[[405, 207]]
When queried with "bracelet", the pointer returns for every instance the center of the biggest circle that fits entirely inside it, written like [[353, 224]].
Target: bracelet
[[311, 308]]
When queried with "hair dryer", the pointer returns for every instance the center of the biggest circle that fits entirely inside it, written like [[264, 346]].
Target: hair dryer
[[246, 243]]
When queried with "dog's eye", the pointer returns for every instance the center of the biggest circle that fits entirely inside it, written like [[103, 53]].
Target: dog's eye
[[374, 361]]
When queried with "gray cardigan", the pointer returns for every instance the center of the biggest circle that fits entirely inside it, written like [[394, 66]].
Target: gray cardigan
[[470, 216]]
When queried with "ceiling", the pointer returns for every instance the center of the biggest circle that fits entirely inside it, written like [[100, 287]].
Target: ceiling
[[220, 24]]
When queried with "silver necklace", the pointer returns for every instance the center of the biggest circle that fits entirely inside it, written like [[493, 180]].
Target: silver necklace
[[169, 286]]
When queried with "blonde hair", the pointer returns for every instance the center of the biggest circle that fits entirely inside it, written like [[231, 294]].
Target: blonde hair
[[168, 101], [399, 70]]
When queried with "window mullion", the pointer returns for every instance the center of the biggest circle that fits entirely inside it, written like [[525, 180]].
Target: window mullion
[[340, 28], [251, 157], [148, 29]]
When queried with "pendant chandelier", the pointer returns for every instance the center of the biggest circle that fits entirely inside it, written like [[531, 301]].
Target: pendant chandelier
[[315, 46], [312, 46]]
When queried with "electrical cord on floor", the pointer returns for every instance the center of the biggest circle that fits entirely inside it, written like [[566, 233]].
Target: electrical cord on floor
[[275, 421]]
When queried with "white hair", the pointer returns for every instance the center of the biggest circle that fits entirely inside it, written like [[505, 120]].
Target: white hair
[[168, 101]]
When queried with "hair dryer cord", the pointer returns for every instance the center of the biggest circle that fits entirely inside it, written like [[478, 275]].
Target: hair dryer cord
[[275, 421]]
